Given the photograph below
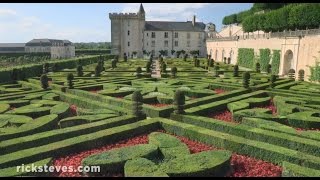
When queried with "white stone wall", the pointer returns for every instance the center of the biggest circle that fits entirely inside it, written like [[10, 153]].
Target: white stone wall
[[62, 52], [182, 41], [31, 49]]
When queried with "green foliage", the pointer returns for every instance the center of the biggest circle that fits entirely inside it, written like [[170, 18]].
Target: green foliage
[[113, 63], [185, 57], [246, 57], [236, 71], [174, 71], [164, 68], [54, 67], [315, 72], [179, 101], [275, 62], [137, 101], [44, 81], [138, 71], [45, 68], [14, 74], [79, 70], [264, 59], [148, 67], [216, 71], [246, 79], [301, 75], [70, 78], [231, 19], [293, 16], [97, 70], [273, 79], [258, 70]]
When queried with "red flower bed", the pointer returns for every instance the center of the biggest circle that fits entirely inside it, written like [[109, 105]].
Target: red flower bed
[[73, 109], [271, 106], [223, 116], [159, 105], [219, 91], [119, 97], [76, 158], [242, 165]]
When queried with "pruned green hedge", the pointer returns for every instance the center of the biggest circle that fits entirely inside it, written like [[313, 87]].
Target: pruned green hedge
[[275, 64], [246, 57], [264, 59]]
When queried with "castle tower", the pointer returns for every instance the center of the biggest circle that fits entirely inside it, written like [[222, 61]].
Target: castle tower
[[127, 33]]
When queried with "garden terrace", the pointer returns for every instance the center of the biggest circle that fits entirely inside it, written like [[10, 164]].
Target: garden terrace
[[225, 130]]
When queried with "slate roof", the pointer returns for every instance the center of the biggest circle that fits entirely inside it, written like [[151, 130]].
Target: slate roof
[[174, 26], [9, 47], [46, 42]]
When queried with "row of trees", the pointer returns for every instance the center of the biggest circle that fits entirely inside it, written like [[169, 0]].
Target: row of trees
[[239, 17], [93, 45], [291, 17]]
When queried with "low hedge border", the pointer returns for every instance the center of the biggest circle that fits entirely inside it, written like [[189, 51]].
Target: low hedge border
[[293, 170]]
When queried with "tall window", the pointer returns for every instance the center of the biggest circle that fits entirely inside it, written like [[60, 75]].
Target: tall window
[[153, 35], [153, 43], [176, 43], [165, 34], [199, 35], [175, 35], [147, 34], [166, 43], [188, 43], [188, 35], [128, 43], [128, 33]]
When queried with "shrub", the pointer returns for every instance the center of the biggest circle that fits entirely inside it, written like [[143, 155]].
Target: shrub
[[113, 63], [137, 101], [97, 70], [264, 59], [225, 60], [174, 71], [216, 71], [44, 81], [138, 71], [210, 62], [258, 68], [301, 75], [315, 72], [80, 71], [273, 79], [246, 79], [70, 77], [269, 68], [148, 67], [246, 57], [54, 67], [236, 71], [45, 68], [179, 101], [185, 57], [291, 73], [125, 58], [275, 61], [164, 68]]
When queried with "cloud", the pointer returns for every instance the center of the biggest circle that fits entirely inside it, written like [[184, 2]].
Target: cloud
[[5, 12], [166, 12]]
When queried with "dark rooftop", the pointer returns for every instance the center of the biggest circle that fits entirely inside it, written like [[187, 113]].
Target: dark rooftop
[[174, 26]]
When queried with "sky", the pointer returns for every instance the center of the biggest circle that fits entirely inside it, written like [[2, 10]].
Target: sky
[[89, 22]]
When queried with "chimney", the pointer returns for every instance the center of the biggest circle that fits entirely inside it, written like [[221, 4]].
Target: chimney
[[194, 20]]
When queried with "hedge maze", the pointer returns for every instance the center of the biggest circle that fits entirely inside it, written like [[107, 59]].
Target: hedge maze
[[200, 121]]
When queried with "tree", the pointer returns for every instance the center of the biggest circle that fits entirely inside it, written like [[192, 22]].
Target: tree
[[70, 78], [45, 68], [164, 68], [44, 81], [79, 71], [174, 71], [216, 71], [273, 79], [172, 52], [138, 72], [269, 68], [148, 67], [236, 70], [113, 63], [185, 57], [301, 75], [258, 70], [246, 80], [211, 63], [137, 101], [125, 58], [179, 101], [97, 70]]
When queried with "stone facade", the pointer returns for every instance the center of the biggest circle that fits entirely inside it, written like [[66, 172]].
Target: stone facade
[[297, 52], [131, 33]]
